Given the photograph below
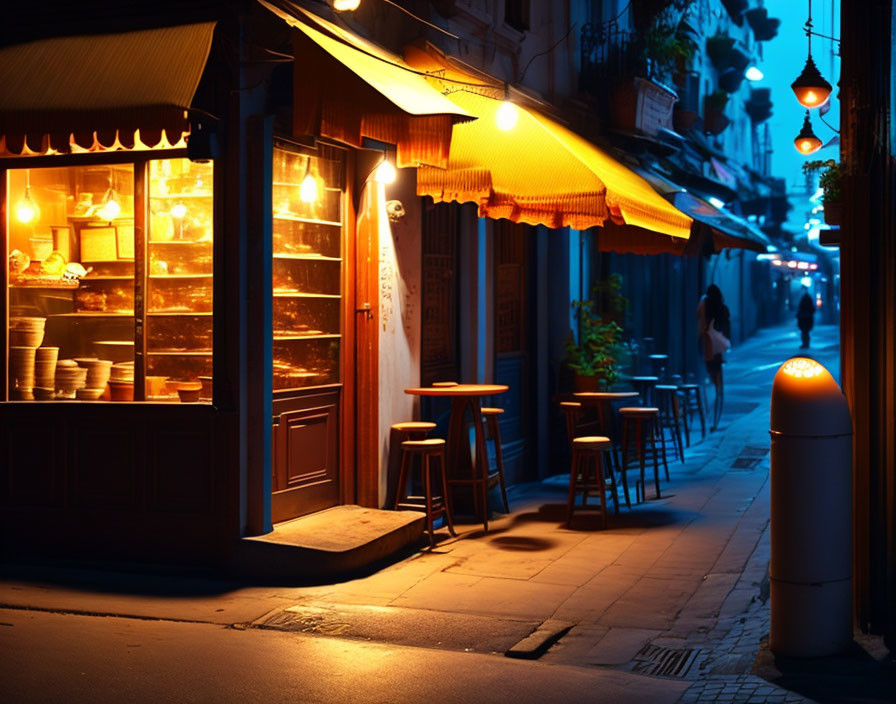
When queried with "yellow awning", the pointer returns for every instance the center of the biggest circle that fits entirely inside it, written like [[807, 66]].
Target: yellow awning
[[108, 84], [539, 172], [348, 88]]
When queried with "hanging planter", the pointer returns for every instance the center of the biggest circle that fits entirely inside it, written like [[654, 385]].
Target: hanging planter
[[718, 49], [714, 119], [831, 184], [644, 106], [759, 106], [730, 80], [736, 10], [763, 26]]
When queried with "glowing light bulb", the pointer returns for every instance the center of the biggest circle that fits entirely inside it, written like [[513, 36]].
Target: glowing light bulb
[[385, 172], [178, 210], [308, 189], [346, 5], [507, 116], [111, 208], [26, 209], [802, 368], [754, 74]]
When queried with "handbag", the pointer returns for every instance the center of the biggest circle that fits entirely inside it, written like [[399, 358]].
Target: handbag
[[718, 343]]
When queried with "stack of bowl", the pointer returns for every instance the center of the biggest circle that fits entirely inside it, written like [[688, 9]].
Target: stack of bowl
[[121, 381], [69, 378], [98, 373], [45, 372], [21, 372], [26, 332]]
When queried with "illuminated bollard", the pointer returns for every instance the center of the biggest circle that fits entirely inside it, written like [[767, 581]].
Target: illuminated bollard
[[811, 512]]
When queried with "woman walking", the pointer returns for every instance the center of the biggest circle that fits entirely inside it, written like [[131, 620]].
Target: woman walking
[[714, 324]]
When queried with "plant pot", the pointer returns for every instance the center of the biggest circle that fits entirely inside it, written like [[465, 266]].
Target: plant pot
[[682, 120], [585, 383], [730, 80], [833, 213], [715, 122], [644, 106], [718, 48]]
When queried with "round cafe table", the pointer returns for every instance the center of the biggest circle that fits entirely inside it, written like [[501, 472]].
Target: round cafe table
[[462, 467], [602, 401]]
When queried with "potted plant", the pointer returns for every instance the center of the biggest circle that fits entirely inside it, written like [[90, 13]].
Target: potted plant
[[714, 119], [596, 356], [831, 183]]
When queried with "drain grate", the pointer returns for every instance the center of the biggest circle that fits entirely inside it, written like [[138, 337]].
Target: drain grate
[[754, 451], [665, 662], [746, 462]]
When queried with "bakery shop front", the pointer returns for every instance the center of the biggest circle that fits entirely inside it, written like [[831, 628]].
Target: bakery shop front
[[191, 287]]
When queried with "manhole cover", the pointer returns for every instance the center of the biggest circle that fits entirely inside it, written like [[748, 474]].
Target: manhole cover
[[665, 662]]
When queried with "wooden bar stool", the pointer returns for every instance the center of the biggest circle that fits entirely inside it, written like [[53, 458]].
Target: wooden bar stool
[[670, 418], [639, 425], [584, 450], [413, 429], [491, 417], [644, 385], [693, 403], [658, 365], [433, 504]]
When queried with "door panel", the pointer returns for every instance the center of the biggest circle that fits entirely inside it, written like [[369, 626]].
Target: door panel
[[307, 455]]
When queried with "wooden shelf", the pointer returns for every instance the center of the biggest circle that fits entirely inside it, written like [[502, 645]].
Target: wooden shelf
[[296, 218], [181, 242], [292, 338], [46, 287], [92, 314], [178, 313], [88, 279], [184, 353], [290, 294], [180, 276], [308, 257], [169, 196]]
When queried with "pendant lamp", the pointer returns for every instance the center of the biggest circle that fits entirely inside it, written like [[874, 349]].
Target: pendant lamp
[[806, 142], [810, 88]]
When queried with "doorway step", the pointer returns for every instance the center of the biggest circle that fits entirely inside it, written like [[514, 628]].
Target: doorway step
[[326, 545]]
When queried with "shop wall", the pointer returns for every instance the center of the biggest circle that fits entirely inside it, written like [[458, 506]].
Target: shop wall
[[400, 245]]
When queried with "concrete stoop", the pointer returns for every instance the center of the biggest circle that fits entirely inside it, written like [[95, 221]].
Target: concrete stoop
[[336, 542]]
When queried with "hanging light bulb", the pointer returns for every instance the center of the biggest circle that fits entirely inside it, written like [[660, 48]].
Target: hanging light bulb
[[346, 5], [806, 142], [26, 209], [507, 113], [810, 88], [385, 172], [178, 210], [754, 74], [111, 208], [308, 186]]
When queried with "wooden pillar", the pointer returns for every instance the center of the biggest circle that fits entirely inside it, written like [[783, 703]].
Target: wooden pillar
[[868, 310]]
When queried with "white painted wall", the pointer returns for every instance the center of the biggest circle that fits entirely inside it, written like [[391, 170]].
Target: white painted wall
[[400, 247]]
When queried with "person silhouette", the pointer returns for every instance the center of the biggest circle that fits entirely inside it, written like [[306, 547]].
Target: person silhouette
[[712, 312], [805, 317]]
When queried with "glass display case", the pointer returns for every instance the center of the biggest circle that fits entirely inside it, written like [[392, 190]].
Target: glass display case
[[307, 267], [97, 310], [179, 279]]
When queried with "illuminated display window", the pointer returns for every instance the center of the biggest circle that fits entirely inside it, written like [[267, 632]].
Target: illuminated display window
[[97, 310]]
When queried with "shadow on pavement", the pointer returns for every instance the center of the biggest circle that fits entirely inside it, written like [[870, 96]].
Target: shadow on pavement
[[864, 673]]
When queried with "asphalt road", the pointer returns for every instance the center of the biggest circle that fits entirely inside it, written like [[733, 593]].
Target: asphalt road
[[67, 658]]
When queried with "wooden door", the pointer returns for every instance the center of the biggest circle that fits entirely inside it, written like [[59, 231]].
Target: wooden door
[[511, 334], [312, 313]]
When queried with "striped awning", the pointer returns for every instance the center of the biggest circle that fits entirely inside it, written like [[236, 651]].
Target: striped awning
[[347, 88], [101, 89], [539, 172]]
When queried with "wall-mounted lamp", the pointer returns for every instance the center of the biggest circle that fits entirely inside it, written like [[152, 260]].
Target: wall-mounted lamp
[[507, 114], [346, 5], [754, 74], [806, 142], [385, 172]]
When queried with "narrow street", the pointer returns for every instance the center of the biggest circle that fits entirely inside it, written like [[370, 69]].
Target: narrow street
[[668, 604]]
